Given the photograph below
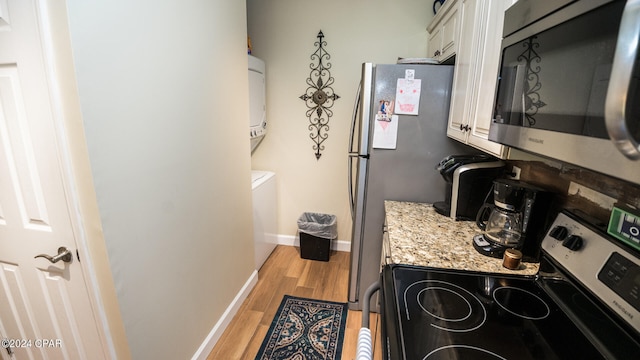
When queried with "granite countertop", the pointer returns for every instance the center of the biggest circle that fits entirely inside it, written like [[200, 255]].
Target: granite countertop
[[418, 235]]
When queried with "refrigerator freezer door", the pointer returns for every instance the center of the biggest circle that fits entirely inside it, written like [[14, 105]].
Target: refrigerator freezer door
[[359, 134]]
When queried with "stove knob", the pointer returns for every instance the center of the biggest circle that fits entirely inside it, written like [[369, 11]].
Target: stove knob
[[573, 242], [559, 232]]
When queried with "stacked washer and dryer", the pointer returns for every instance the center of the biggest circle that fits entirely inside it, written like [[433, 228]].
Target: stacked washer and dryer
[[263, 183], [257, 102]]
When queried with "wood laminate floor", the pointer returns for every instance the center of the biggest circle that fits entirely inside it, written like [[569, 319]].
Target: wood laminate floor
[[285, 272]]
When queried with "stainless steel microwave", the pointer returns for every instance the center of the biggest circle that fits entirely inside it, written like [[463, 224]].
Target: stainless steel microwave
[[569, 86]]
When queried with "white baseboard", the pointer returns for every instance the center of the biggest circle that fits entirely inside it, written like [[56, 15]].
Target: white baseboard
[[337, 245], [219, 328]]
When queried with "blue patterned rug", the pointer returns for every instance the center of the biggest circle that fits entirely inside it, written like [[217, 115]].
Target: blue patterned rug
[[305, 329]]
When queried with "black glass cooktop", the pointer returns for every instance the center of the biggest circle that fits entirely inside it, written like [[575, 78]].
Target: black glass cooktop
[[446, 314]]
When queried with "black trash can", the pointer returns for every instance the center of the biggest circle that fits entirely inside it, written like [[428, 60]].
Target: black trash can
[[316, 232]]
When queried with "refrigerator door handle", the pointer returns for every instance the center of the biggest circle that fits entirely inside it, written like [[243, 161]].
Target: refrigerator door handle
[[352, 153], [354, 119], [351, 196], [365, 109]]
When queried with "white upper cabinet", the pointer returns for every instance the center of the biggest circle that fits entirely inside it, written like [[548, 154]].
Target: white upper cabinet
[[444, 32], [476, 72]]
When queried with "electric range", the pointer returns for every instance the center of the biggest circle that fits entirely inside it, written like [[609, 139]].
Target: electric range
[[582, 304]]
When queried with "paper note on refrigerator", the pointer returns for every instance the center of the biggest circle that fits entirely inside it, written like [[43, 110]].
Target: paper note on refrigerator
[[385, 132], [408, 96]]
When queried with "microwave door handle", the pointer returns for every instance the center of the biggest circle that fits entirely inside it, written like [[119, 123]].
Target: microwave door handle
[[622, 80]]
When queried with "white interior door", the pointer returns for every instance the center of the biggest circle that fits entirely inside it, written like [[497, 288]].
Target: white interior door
[[45, 309]]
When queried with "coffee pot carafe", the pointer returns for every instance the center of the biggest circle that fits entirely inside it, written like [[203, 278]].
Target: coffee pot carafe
[[503, 227]]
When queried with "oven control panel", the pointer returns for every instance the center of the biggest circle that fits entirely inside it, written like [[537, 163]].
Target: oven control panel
[[623, 277], [598, 262]]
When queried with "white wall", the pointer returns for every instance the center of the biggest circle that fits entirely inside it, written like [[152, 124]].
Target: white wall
[[163, 95], [356, 31]]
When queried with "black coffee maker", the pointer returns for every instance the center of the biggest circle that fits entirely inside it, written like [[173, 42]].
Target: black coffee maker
[[515, 215], [468, 178]]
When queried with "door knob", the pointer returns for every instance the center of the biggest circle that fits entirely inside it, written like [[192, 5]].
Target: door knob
[[64, 254]]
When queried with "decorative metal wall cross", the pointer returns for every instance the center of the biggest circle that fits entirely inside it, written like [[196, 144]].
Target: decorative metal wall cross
[[319, 96]]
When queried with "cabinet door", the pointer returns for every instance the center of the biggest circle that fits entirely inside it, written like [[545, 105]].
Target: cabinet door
[[463, 91], [487, 74], [435, 43], [450, 30]]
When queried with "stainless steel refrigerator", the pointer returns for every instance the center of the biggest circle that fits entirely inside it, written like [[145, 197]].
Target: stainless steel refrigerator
[[406, 173]]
